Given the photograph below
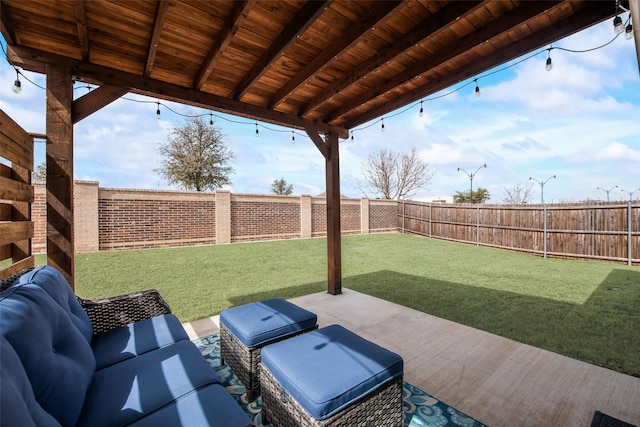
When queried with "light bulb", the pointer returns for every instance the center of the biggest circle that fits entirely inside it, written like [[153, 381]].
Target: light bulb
[[158, 111], [421, 113], [477, 90], [293, 138], [257, 132], [628, 32], [17, 86], [382, 127], [549, 64], [210, 119], [617, 25]]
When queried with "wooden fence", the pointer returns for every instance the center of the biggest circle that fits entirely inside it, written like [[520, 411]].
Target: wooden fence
[[607, 231]]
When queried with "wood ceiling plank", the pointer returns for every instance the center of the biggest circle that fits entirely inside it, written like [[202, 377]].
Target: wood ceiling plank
[[350, 37], [240, 13], [305, 17], [83, 32]]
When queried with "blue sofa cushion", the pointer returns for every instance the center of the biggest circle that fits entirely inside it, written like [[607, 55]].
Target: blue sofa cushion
[[54, 284], [136, 338], [210, 406], [257, 323], [328, 369], [18, 406], [56, 357], [125, 392]]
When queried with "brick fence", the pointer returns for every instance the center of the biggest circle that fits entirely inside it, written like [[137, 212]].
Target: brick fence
[[111, 219]]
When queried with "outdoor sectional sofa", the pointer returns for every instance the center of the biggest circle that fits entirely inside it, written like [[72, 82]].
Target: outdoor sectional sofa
[[119, 361]]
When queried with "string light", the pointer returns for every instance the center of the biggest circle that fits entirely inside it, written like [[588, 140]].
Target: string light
[[257, 131], [17, 85], [617, 25], [158, 111], [421, 113], [293, 137], [210, 119], [382, 127], [477, 88], [352, 137], [628, 32], [549, 64]]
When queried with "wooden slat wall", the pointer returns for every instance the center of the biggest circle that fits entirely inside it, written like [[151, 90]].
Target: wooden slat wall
[[16, 196], [577, 230]]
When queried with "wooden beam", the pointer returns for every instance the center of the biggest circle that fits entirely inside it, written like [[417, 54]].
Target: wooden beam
[[158, 23], [60, 214], [303, 19], [35, 60], [318, 141], [95, 100], [378, 12], [223, 40], [595, 12], [83, 32]]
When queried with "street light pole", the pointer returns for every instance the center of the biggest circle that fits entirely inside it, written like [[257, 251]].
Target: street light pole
[[631, 193], [471, 175], [606, 191], [542, 183]]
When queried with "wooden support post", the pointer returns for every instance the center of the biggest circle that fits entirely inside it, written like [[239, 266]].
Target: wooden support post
[[334, 245], [329, 149], [59, 127]]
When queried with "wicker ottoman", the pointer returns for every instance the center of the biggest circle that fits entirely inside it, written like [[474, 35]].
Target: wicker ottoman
[[331, 377], [245, 329]]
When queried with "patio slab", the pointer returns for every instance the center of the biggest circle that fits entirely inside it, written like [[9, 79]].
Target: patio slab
[[498, 381]]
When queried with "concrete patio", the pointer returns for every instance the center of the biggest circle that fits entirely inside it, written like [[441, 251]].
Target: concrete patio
[[497, 381]]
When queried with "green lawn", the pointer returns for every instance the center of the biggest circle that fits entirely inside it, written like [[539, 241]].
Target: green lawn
[[583, 309]]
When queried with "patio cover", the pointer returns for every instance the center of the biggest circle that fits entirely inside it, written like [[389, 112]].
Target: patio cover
[[320, 66]]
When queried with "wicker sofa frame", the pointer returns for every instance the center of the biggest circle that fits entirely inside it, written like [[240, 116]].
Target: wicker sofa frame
[[381, 408]]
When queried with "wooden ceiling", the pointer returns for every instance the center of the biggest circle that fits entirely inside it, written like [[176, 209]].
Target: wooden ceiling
[[335, 64]]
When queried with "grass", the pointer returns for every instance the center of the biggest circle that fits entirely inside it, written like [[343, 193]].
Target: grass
[[583, 309]]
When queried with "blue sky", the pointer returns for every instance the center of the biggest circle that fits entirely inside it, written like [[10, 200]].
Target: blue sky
[[580, 121]]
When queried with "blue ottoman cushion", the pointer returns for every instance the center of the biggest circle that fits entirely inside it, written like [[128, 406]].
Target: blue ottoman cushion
[[259, 322], [329, 369]]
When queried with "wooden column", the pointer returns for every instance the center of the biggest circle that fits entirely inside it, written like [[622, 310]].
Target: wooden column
[[59, 156], [329, 149], [334, 244]]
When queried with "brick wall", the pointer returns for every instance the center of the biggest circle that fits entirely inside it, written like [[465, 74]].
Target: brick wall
[[112, 219]]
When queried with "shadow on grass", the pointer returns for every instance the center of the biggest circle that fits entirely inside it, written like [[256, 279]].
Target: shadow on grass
[[603, 331]]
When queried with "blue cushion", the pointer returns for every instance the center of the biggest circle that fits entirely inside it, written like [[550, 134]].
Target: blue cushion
[[259, 322], [210, 406], [328, 369], [54, 283], [18, 406], [123, 393], [136, 338], [56, 357]]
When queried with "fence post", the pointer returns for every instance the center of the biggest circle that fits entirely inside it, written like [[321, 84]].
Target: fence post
[[403, 214], [430, 219], [478, 225], [544, 213], [629, 234]]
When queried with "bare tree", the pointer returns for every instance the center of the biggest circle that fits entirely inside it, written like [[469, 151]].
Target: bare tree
[[39, 176], [281, 188], [195, 157], [394, 175], [518, 194]]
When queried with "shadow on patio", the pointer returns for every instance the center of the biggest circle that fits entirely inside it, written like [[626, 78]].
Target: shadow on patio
[[496, 380]]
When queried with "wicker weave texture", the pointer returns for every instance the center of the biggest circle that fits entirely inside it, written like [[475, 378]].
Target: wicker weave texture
[[381, 408], [113, 312]]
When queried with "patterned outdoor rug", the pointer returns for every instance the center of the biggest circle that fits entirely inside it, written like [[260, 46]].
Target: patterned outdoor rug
[[420, 408]]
